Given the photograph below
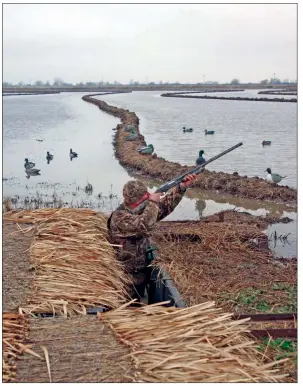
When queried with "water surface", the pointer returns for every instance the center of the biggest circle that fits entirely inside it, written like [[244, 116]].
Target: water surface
[[64, 121], [162, 119]]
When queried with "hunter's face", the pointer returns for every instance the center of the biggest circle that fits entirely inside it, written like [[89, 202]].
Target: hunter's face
[[130, 201]]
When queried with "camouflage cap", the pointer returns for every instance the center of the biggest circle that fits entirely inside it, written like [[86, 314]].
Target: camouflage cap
[[133, 191]]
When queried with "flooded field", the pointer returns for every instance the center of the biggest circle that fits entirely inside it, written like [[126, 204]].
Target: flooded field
[[64, 121], [61, 122], [162, 119]]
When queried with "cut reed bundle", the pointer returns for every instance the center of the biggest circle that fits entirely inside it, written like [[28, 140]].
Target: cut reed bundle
[[196, 344], [15, 331], [79, 349], [39, 215], [75, 264]]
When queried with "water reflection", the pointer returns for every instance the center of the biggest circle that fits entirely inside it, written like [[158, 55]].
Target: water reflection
[[49, 157], [71, 157], [73, 154], [206, 203], [200, 205], [32, 173], [255, 207]]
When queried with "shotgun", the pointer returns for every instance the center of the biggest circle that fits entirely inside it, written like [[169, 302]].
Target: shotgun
[[198, 169]]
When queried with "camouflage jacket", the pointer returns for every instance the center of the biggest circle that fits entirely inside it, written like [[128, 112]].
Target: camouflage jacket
[[132, 231]]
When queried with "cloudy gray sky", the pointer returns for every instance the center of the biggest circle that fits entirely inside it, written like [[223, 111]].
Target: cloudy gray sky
[[82, 42]]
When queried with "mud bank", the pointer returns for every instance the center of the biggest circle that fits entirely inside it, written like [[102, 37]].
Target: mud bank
[[111, 92], [180, 95], [159, 168], [278, 92], [206, 91]]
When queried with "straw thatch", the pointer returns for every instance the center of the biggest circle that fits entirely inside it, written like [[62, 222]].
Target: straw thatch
[[196, 344], [17, 274], [215, 237], [15, 332], [163, 170], [75, 266], [77, 349], [218, 260]]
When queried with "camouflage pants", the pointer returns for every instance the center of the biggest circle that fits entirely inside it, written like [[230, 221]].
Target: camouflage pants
[[136, 255], [140, 280], [149, 284]]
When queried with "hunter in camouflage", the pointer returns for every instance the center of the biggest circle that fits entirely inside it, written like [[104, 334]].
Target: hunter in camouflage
[[132, 231]]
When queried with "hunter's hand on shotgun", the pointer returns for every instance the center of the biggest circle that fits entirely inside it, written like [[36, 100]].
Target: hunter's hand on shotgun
[[189, 180], [186, 182], [155, 197]]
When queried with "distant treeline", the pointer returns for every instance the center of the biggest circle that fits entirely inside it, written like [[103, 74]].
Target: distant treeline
[[145, 87], [58, 82]]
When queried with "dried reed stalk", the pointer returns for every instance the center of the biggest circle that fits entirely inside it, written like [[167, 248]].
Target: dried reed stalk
[[75, 264], [40, 215], [216, 237], [218, 260], [15, 332], [195, 344]]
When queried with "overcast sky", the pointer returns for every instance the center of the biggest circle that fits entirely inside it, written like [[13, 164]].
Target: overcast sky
[[88, 42]]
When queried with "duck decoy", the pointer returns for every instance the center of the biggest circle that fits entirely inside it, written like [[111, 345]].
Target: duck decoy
[[129, 128], [28, 165], [146, 150], [133, 135], [209, 131], [200, 160], [273, 177], [185, 130], [264, 143], [49, 156], [73, 153]]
